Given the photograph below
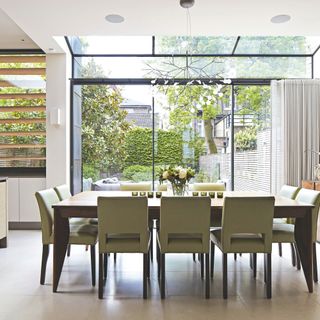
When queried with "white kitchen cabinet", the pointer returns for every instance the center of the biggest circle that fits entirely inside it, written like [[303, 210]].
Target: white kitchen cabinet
[[3, 213], [22, 201]]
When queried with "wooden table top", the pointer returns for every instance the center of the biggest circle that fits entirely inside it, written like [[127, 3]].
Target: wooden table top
[[89, 199]]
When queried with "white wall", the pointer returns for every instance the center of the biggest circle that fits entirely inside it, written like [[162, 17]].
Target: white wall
[[58, 137]]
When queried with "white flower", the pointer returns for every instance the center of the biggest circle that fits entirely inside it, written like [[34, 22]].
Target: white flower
[[182, 173], [165, 175]]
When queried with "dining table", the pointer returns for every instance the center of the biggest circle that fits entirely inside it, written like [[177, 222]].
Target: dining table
[[84, 205]]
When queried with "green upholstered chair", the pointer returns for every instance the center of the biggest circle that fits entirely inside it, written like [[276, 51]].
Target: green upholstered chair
[[63, 192], [140, 186], [246, 228], [162, 187], [84, 234], [123, 227], [184, 228], [284, 232], [291, 193], [208, 186]]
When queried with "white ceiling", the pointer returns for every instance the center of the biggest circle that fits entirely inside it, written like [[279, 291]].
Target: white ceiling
[[11, 36], [44, 19]]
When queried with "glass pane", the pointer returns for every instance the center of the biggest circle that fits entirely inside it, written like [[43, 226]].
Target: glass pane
[[194, 45], [111, 45], [188, 134], [277, 45], [193, 67], [116, 135], [252, 141]]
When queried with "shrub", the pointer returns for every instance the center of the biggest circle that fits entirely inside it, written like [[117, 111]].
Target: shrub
[[131, 171]]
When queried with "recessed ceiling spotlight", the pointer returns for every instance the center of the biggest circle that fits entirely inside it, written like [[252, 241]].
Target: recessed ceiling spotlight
[[114, 18], [281, 18], [22, 40], [51, 49], [186, 3]]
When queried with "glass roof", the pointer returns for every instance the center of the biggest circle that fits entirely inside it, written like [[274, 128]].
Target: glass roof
[[170, 45]]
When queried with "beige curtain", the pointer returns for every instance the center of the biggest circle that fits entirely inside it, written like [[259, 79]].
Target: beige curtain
[[295, 131]]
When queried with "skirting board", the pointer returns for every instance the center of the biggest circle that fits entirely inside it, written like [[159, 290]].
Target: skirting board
[[24, 226]]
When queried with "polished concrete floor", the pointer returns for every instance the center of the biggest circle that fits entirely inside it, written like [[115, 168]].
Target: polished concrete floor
[[22, 297]]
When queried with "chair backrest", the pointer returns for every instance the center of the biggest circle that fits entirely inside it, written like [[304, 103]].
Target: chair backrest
[[185, 215], [45, 199], [130, 186], [63, 192], [311, 197], [247, 215], [209, 187], [289, 191], [123, 216], [162, 187]]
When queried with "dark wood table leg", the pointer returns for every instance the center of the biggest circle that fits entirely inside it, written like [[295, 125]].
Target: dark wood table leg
[[60, 245], [303, 236]]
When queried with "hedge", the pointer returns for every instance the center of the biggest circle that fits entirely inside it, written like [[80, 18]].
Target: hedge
[[168, 147]]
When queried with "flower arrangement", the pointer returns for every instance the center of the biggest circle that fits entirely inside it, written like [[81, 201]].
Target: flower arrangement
[[177, 176]]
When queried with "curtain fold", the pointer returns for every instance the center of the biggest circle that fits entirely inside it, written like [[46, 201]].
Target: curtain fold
[[295, 106]]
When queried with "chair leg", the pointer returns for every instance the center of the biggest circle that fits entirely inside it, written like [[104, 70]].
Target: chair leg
[[145, 274], [265, 269], [280, 249], [251, 261], [235, 257], [105, 255], [163, 276], [45, 254], [194, 257], [151, 244], [207, 276], [254, 265], [101, 267], [297, 257], [93, 264], [315, 265], [293, 255], [158, 260], [212, 258], [68, 250], [268, 274], [148, 264], [115, 257], [201, 265], [225, 275]]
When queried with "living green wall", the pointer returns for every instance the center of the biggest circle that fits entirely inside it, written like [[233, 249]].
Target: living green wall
[[138, 146]]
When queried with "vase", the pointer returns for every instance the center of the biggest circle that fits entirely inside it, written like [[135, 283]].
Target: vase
[[179, 189]]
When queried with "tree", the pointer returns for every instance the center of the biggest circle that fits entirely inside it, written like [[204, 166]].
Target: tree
[[193, 103], [104, 124]]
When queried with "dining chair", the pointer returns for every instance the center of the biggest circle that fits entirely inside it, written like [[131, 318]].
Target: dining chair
[[80, 234], [246, 228], [63, 192], [208, 186], [131, 186], [284, 232], [123, 228], [291, 193], [141, 186], [184, 228]]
